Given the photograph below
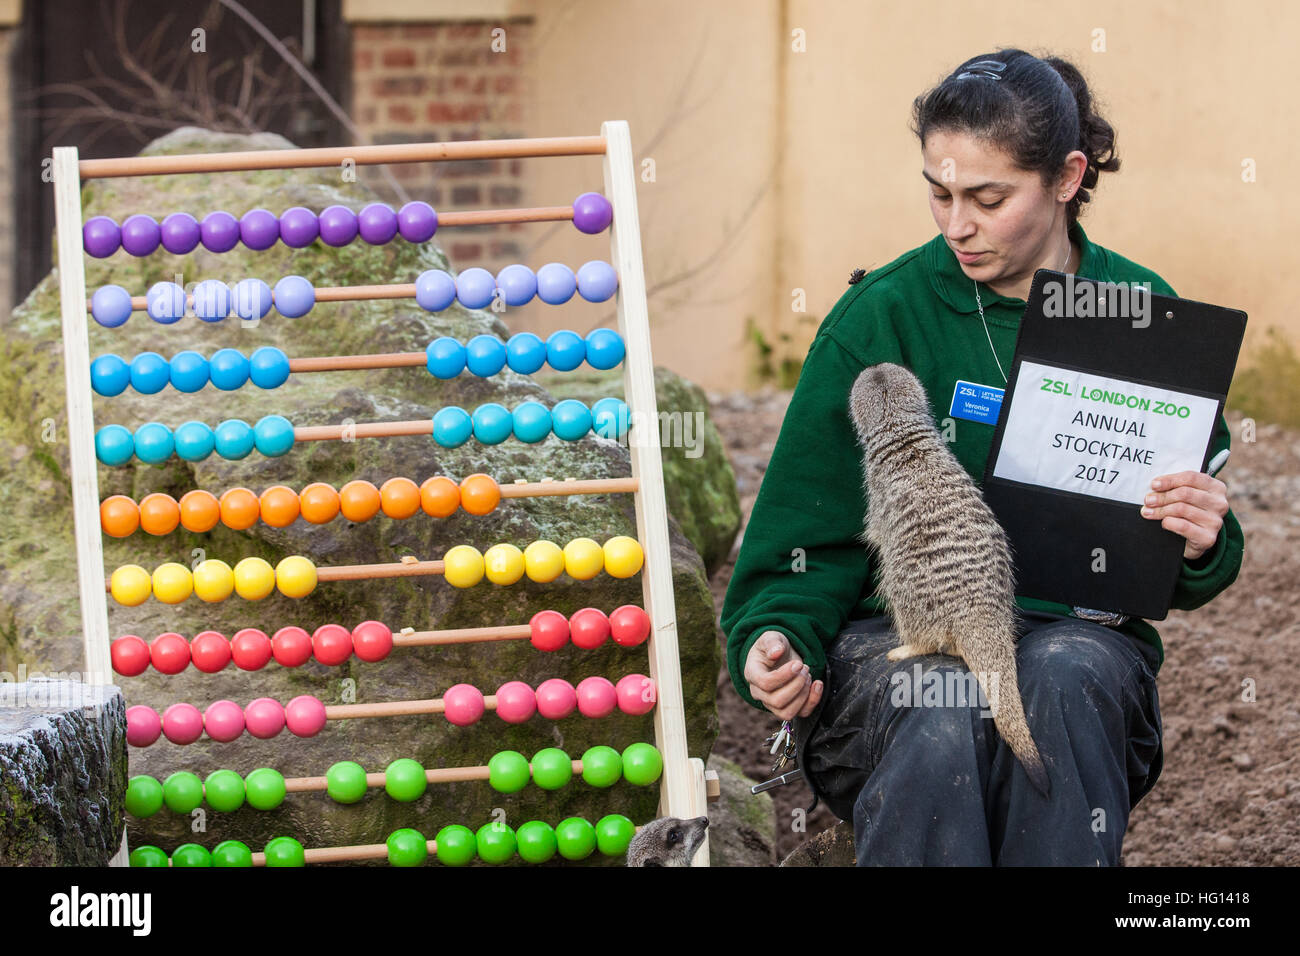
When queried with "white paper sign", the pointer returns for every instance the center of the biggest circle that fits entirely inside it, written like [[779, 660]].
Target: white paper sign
[[1105, 437]]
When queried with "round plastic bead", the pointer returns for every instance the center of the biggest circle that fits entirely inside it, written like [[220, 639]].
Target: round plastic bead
[[338, 225], [109, 375], [635, 694], [404, 780], [182, 792], [492, 423], [377, 223], [159, 514], [597, 281], [642, 764], [200, 510], [589, 628], [455, 845], [291, 646], [264, 718], [508, 771], [268, 367], [570, 419], [265, 788], [613, 834], [445, 357], [191, 856], [543, 561], [485, 355], [359, 500], [223, 720], [101, 236], [165, 302], [552, 768], [119, 516], [629, 625], [240, 509], [345, 781], [332, 644], [318, 503], [596, 697], [518, 284], [407, 847], [219, 232], [234, 439], [525, 353], [143, 725], [150, 373], [516, 702], [536, 841], [254, 580], [531, 422], [153, 443], [479, 494], [556, 283], [228, 369], [475, 287], [503, 564], [250, 648], [452, 426], [172, 583], [169, 653], [180, 233], [285, 851], [194, 441], [602, 766], [273, 435], [623, 556], [130, 585], [140, 235], [295, 576], [251, 299], [130, 655], [299, 227], [182, 723], [399, 497], [435, 290], [565, 350], [259, 229], [294, 297], [279, 507], [209, 650], [549, 630], [224, 790], [212, 300], [110, 306], [463, 566], [495, 842], [114, 445], [611, 418], [147, 857], [144, 796], [576, 838], [304, 716], [440, 496], [232, 853], [372, 640], [556, 698], [462, 704], [605, 348], [188, 371], [592, 213], [417, 221], [583, 559]]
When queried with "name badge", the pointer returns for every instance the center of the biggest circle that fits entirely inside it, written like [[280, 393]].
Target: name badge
[[976, 403]]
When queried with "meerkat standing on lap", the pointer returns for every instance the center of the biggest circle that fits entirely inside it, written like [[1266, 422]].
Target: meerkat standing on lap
[[945, 564]]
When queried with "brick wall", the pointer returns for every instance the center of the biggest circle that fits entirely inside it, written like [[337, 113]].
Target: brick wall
[[443, 82]]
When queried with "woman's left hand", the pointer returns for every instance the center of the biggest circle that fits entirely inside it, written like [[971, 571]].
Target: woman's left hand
[[1190, 503]]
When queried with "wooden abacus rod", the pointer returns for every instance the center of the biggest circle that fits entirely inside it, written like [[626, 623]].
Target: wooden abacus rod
[[396, 708], [464, 635], [337, 155], [492, 217], [443, 775]]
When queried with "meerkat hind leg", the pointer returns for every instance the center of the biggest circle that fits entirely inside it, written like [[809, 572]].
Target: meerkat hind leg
[[904, 651]]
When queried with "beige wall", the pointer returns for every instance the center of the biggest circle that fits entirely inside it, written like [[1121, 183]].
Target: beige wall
[[778, 170]]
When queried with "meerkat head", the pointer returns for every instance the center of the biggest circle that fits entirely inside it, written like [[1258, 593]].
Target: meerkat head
[[667, 841], [884, 394]]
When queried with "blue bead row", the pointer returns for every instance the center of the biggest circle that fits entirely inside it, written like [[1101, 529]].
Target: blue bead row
[[188, 371], [525, 353], [530, 422], [154, 443]]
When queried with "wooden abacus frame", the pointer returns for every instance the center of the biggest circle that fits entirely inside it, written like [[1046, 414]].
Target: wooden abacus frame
[[682, 786]]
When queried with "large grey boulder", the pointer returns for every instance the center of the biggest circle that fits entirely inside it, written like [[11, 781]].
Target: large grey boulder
[[38, 597]]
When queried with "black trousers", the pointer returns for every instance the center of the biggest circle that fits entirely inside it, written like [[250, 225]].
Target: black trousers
[[900, 750]]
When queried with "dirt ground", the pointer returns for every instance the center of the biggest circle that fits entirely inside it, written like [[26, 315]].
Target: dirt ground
[[1229, 794]]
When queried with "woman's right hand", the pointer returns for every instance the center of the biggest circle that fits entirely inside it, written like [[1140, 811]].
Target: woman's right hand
[[779, 679]]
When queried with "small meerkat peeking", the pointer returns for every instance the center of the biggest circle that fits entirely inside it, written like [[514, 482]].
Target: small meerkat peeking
[[667, 841], [946, 572]]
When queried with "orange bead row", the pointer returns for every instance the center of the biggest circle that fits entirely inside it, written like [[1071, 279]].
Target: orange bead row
[[280, 506]]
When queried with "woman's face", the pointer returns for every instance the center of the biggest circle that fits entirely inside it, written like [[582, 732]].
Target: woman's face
[[998, 219]]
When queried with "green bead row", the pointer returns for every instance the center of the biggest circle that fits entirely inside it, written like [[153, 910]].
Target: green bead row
[[535, 841], [508, 772]]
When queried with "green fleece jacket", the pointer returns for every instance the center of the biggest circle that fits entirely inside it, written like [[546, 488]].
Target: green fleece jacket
[[918, 311]]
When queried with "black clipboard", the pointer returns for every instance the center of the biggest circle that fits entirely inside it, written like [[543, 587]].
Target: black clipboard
[[1188, 346]]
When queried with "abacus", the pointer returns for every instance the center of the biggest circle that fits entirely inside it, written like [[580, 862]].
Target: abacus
[[681, 779]]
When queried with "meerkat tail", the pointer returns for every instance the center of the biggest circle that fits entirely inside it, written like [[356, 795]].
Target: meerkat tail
[[997, 658]]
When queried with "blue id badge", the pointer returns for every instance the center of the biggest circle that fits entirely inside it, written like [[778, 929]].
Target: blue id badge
[[976, 403]]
